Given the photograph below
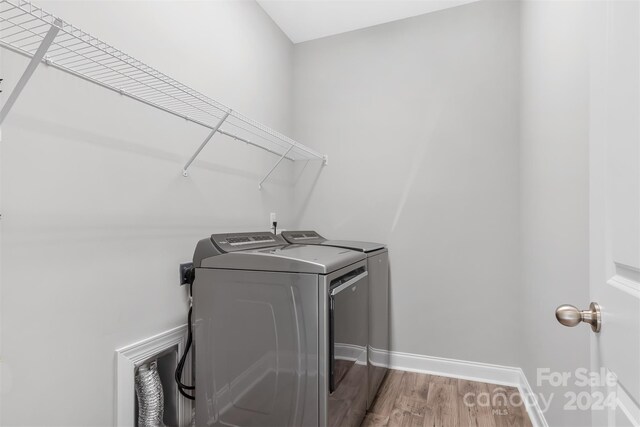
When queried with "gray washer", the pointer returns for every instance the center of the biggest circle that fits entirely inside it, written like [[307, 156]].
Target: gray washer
[[265, 316], [378, 267]]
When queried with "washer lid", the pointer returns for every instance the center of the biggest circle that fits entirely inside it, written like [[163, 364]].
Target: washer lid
[[313, 238], [290, 258], [355, 245]]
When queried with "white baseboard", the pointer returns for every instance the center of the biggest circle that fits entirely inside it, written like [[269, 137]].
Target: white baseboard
[[473, 371], [352, 352], [533, 408]]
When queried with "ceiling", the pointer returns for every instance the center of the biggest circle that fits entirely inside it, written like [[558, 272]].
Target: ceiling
[[303, 20]]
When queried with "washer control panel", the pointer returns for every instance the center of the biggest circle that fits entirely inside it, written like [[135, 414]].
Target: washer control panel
[[309, 237]]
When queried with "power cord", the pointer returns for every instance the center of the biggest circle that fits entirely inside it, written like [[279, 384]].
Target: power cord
[[178, 375]]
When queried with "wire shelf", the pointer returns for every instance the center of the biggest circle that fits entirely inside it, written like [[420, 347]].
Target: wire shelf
[[24, 27]]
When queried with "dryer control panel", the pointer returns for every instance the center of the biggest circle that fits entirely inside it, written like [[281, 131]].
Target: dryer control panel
[[233, 242]]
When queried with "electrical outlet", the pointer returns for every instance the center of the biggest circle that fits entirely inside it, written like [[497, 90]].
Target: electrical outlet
[[186, 273], [272, 218]]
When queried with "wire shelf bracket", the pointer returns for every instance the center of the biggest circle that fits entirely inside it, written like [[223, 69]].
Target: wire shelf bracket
[[39, 35], [205, 142], [31, 67], [273, 168]]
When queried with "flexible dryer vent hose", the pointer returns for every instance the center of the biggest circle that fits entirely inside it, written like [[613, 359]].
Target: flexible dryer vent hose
[[150, 396]]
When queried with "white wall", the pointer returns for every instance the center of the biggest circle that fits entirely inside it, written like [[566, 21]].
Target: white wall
[[461, 139], [419, 118], [96, 215], [554, 159], [435, 148]]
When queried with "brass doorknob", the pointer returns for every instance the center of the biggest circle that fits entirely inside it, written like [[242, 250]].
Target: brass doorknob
[[569, 315]]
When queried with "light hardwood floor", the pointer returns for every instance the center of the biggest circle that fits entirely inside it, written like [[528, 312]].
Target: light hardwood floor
[[408, 399]]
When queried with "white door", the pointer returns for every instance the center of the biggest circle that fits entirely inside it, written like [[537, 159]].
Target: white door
[[615, 210]]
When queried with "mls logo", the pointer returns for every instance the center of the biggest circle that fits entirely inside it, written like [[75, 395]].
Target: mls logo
[[501, 412]]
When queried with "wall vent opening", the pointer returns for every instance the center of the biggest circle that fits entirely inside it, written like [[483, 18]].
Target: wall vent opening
[[165, 349]]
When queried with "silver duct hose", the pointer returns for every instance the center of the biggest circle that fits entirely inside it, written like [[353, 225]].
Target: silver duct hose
[[150, 396]]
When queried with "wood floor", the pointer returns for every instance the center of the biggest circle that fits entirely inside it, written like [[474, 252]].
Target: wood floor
[[407, 399]]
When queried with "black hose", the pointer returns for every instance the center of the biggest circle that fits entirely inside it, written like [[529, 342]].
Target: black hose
[[178, 375]]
